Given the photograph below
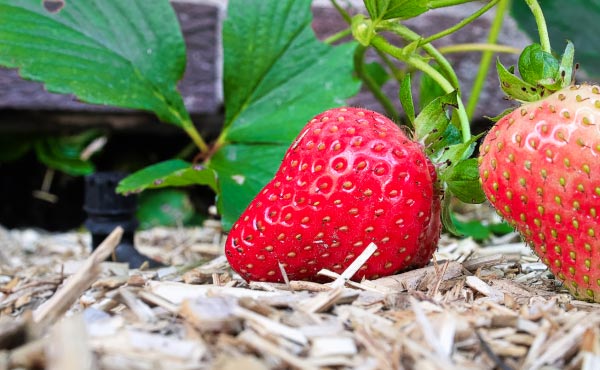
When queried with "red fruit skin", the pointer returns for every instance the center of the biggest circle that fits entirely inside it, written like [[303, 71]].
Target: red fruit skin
[[350, 178], [539, 168]]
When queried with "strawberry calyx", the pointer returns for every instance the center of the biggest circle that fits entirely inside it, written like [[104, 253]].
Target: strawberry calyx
[[541, 74], [436, 129]]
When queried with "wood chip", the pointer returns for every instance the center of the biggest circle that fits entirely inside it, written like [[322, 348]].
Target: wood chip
[[411, 280], [333, 346], [271, 326], [262, 345], [484, 288], [322, 301], [355, 266], [68, 347], [110, 282], [141, 310], [474, 307], [78, 283], [211, 314], [484, 261], [178, 292]]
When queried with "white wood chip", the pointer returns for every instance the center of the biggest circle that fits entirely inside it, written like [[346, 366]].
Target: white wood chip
[[355, 266], [332, 346], [272, 326], [177, 292], [68, 347], [260, 344], [484, 288]]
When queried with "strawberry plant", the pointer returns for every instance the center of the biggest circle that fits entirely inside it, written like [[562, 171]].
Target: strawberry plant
[[277, 76]]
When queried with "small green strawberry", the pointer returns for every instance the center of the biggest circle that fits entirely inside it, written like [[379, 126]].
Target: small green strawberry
[[350, 178], [539, 168]]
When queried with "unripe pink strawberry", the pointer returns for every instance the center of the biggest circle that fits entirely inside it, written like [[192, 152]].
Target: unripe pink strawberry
[[540, 168], [350, 178]]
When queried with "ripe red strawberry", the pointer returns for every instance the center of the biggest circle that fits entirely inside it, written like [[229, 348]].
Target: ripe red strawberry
[[539, 167], [350, 178]]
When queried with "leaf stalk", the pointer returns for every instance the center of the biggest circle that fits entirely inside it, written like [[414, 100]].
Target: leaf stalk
[[540, 21], [412, 36], [359, 66], [190, 129], [486, 57], [417, 62], [469, 47], [434, 4], [460, 24]]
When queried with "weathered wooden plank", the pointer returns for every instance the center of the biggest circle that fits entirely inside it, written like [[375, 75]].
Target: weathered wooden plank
[[200, 22], [199, 86]]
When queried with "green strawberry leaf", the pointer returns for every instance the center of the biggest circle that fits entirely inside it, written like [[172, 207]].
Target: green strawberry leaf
[[377, 73], [538, 67], [49, 152], [123, 53], [480, 231], [401, 9], [453, 154], [566, 66], [292, 77], [501, 228], [63, 153], [164, 207], [474, 229], [406, 99], [432, 123], [515, 87], [174, 172], [429, 89], [13, 147], [243, 171], [575, 20], [446, 214], [411, 50], [462, 180], [499, 117]]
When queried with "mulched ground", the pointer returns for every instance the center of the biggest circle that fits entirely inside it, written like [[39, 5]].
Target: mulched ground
[[491, 306]]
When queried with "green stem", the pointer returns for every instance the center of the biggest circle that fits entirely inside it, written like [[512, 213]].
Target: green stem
[[443, 63], [397, 73], [460, 24], [410, 35], [462, 48], [359, 65], [463, 118], [338, 36], [541, 24], [486, 58], [342, 11], [417, 62], [189, 128], [381, 44], [434, 4]]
